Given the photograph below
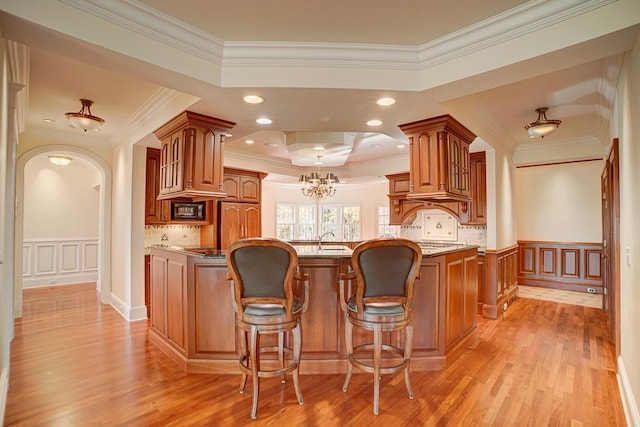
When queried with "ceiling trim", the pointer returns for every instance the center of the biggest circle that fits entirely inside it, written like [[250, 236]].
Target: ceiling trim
[[19, 60], [160, 107], [142, 19], [543, 152], [527, 18], [511, 24]]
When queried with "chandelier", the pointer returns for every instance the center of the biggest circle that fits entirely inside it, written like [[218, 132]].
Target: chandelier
[[83, 119], [318, 187], [542, 126]]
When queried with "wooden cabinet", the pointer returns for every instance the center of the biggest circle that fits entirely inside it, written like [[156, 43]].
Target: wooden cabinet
[[404, 210], [158, 212], [191, 156], [155, 211], [238, 215], [477, 209], [169, 297], [242, 186], [461, 289], [147, 284], [481, 282], [238, 221], [439, 159]]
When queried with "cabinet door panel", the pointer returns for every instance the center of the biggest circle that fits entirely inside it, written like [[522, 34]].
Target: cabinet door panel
[[252, 222], [230, 221], [158, 287], [176, 297], [250, 189], [455, 300], [215, 329]]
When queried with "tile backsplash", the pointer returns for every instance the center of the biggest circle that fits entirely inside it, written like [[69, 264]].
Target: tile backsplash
[[473, 235], [172, 235]]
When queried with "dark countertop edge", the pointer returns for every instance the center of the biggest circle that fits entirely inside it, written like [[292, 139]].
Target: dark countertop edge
[[221, 254]]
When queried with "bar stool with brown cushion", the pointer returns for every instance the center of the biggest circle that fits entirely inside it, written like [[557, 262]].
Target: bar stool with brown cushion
[[384, 273], [265, 274]]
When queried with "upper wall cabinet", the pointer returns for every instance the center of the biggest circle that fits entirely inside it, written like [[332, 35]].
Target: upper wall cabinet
[[241, 185], [191, 156], [439, 159]]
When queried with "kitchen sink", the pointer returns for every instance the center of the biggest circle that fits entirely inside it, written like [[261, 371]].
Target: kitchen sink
[[335, 248]]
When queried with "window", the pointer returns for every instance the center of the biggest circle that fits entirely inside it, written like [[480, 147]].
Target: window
[[384, 217], [305, 222], [285, 222]]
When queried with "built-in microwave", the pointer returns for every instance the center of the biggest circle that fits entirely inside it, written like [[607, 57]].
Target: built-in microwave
[[188, 211]]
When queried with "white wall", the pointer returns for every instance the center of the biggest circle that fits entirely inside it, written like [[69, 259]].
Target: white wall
[[627, 129], [60, 201], [367, 196], [559, 203]]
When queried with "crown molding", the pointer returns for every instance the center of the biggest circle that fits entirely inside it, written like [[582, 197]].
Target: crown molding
[[161, 106], [142, 19], [558, 150], [19, 60], [78, 138], [511, 24], [527, 18]]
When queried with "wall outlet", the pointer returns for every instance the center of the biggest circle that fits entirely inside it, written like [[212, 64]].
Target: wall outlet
[[504, 307], [591, 290]]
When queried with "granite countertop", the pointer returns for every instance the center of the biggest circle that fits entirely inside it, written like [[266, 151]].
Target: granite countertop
[[308, 251]]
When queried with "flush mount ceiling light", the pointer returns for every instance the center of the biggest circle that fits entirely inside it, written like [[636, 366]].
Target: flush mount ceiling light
[[264, 121], [374, 122], [542, 126], [60, 160], [83, 119], [253, 99], [386, 101]]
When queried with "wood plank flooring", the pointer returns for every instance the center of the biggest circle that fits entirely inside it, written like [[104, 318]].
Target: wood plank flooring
[[75, 362]]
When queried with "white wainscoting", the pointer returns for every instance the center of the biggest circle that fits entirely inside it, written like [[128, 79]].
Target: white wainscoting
[[59, 262]]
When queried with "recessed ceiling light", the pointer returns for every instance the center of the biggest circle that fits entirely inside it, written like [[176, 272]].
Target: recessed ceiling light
[[48, 120], [228, 135], [401, 146], [374, 122], [318, 162], [386, 101], [249, 141], [270, 144], [264, 121], [253, 99], [318, 148]]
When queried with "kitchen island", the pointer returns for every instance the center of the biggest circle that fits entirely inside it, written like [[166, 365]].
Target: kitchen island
[[192, 318]]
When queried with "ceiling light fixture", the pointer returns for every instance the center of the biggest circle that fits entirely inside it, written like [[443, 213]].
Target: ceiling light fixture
[[385, 101], [542, 126], [316, 187], [253, 99], [374, 122], [83, 119], [60, 160], [249, 141], [264, 121]]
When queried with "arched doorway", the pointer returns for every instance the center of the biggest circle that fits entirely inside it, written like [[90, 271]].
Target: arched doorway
[[104, 227]]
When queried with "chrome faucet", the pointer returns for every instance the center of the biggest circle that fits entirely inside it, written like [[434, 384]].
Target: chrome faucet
[[322, 236]]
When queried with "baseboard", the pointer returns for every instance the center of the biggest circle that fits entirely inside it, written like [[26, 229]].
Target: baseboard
[[4, 389], [60, 280], [121, 307], [628, 401]]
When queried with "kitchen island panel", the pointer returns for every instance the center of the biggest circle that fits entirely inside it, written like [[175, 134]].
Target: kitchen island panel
[[323, 323], [214, 335], [208, 320]]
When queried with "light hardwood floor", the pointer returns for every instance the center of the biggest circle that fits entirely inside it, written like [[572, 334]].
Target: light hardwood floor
[[75, 362]]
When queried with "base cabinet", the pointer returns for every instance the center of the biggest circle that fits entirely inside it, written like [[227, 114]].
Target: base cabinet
[[169, 297], [461, 289], [444, 314]]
